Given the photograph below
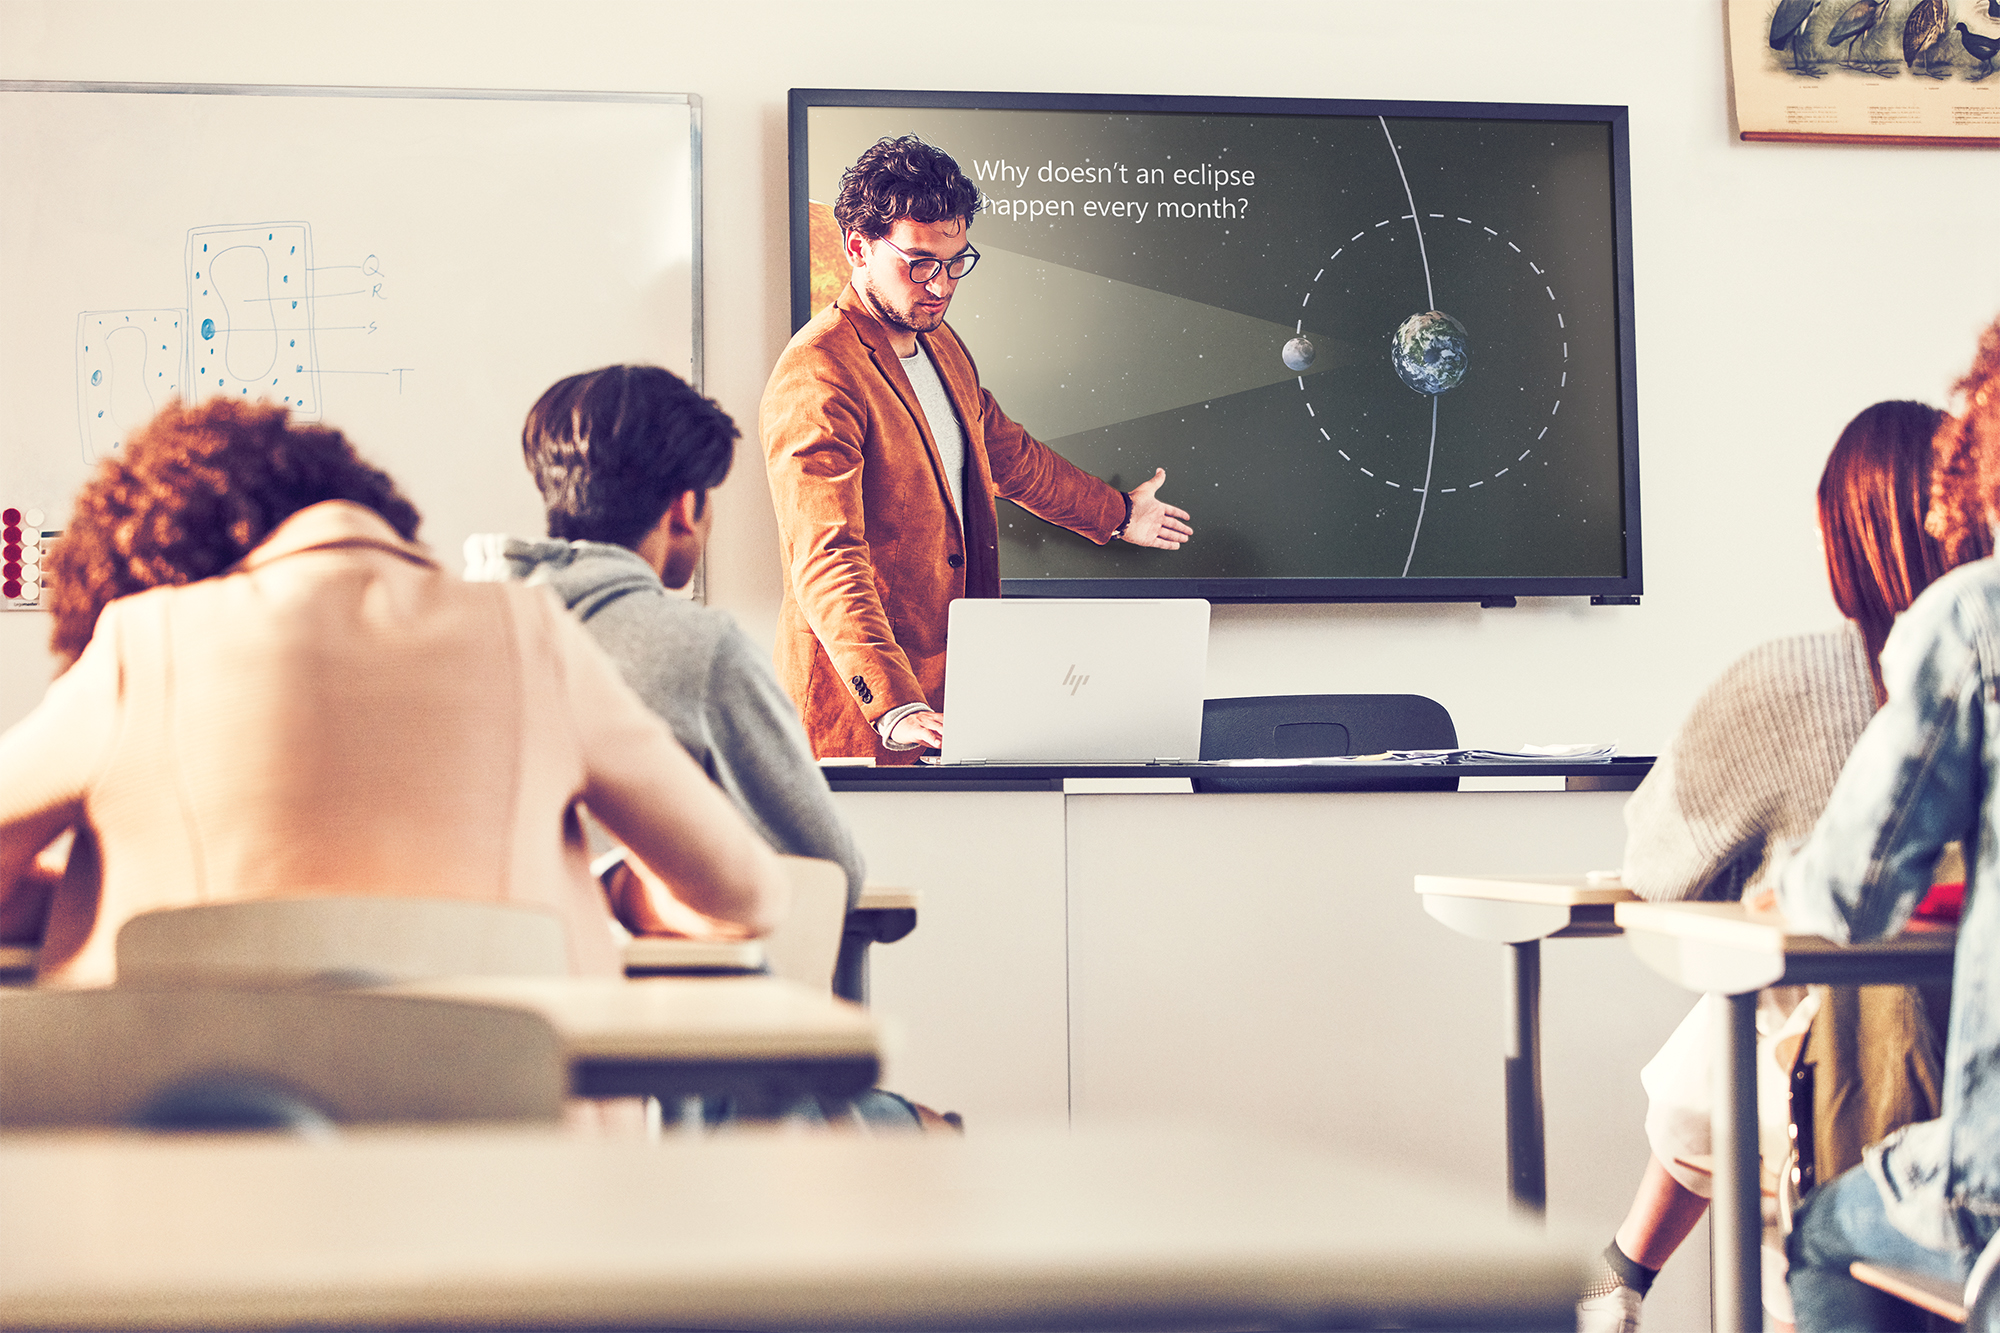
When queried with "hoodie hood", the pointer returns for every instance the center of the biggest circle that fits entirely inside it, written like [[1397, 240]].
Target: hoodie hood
[[586, 575]]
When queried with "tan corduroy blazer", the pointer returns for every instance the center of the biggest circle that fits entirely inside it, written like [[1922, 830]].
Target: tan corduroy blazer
[[339, 715], [873, 550]]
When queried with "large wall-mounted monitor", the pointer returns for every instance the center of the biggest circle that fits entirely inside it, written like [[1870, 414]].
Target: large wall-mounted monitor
[[1383, 349]]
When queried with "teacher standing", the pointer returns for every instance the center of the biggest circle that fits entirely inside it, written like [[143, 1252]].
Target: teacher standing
[[885, 455]]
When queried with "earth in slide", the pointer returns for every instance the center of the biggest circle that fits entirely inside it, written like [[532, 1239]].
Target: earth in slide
[[1429, 352]]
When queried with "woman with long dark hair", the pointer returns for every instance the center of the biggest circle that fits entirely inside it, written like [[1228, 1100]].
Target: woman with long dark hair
[[1746, 776], [1927, 773]]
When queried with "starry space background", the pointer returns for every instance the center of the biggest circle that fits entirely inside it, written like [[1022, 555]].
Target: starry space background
[[1127, 345]]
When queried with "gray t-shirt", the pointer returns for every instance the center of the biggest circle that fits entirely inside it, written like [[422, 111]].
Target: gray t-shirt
[[943, 423]]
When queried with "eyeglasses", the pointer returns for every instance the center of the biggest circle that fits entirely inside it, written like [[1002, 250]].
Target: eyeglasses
[[923, 268]]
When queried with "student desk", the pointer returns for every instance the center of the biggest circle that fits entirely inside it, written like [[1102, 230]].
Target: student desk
[[882, 915], [1521, 912], [508, 1229], [677, 1037], [1732, 952]]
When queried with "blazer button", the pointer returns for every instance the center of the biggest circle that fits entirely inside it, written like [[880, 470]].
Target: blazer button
[[954, 560]]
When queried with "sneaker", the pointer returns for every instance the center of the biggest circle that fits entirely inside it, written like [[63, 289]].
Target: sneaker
[[1616, 1311]]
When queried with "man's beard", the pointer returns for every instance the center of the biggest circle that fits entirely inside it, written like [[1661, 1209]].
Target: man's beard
[[904, 319]]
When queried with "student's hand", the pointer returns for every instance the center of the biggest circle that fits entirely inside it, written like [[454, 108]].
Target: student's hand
[[1154, 522], [926, 728], [24, 904], [645, 904]]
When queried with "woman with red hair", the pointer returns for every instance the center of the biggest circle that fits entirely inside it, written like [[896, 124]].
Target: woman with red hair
[[1927, 1197], [1746, 776], [273, 689]]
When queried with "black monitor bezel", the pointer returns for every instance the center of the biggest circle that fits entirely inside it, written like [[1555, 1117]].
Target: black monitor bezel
[[1609, 589]]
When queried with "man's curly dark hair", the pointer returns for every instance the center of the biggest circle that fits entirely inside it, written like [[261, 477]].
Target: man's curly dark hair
[[902, 178], [190, 494]]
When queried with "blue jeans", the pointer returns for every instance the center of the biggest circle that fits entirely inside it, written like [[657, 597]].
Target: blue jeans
[[1840, 1222]]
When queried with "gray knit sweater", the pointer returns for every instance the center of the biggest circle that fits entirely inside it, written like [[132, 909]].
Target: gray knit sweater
[[696, 669], [1750, 769]]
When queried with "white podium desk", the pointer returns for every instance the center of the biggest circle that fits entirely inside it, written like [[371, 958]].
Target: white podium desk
[[1257, 958], [1024, 1230]]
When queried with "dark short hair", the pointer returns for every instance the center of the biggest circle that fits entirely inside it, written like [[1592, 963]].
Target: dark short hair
[[1873, 498], [902, 178], [611, 448], [192, 492]]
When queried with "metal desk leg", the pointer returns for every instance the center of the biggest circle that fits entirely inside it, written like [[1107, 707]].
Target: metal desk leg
[[1527, 1176], [1737, 1210]]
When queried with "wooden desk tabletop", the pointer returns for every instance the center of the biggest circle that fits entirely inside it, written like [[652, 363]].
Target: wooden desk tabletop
[[1732, 949], [674, 1037], [18, 960], [1514, 909], [1739, 927], [887, 898], [657, 953], [1030, 1229], [673, 1018], [654, 954], [1553, 890]]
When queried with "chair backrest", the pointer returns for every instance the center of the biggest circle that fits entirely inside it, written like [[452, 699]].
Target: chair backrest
[[1307, 726], [109, 1057], [806, 944], [352, 938]]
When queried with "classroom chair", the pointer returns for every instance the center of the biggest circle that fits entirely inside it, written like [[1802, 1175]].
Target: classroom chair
[[353, 939], [1309, 726], [211, 1056], [806, 944], [1976, 1305]]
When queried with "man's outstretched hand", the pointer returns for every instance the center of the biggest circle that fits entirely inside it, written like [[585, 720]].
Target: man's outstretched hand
[[1154, 522]]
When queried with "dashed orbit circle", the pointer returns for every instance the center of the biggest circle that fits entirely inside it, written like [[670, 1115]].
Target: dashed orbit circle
[[1556, 308]]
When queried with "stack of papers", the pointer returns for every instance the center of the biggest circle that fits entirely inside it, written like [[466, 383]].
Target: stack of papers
[[1527, 754], [1543, 754]]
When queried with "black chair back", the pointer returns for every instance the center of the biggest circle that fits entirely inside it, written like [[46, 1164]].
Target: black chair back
[[1310, 726]]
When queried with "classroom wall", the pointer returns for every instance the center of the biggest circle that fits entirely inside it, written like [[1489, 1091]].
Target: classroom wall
[[1780, 288]]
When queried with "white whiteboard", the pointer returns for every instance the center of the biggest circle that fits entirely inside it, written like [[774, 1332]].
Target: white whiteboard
[[411, 266]]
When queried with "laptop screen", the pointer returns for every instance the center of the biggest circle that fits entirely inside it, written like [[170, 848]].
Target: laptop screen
[[1075, 681]]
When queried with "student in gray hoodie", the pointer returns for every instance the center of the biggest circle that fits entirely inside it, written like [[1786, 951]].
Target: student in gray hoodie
[[624, 458]]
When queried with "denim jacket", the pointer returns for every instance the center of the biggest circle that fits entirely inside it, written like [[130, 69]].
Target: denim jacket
[[1924, 773]]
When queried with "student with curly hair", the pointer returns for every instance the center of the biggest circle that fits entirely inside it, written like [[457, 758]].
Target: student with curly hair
[[275, 690], [1926, 773]]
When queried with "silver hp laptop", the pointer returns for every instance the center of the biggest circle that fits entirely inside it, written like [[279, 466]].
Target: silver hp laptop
[[1037, 680]]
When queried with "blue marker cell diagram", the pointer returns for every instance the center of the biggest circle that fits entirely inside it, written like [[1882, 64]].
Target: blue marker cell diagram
[[250, 304], [128, 362]]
